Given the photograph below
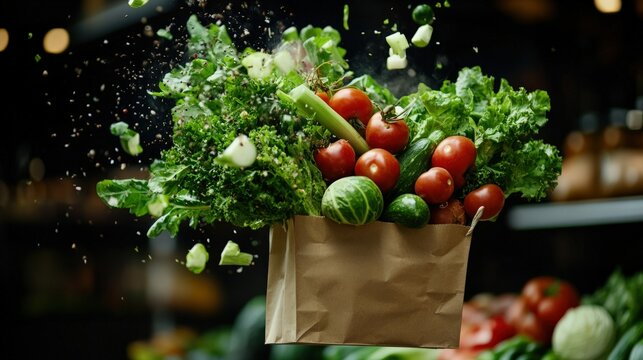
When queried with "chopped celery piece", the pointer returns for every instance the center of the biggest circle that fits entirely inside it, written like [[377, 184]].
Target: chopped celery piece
[[240, 153], [130, 139], [422, 36], [232, 255], [398, 43], [164, 34], [197, 258], [156, 206], [290, 34], [284, 61], [345, 17], [396, 62], [258, 64]]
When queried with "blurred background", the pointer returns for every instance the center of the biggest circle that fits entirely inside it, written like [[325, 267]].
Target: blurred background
[[83, 281]]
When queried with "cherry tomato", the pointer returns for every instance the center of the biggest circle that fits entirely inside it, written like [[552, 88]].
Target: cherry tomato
[[388, 135], [380, 166], [335, 161], [550, 298], [456, 154], [451, 212], [351, 103], [434, 185], [490, 196], [324, 96]]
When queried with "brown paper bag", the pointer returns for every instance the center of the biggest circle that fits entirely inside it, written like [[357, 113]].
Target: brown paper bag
[[375, 284]]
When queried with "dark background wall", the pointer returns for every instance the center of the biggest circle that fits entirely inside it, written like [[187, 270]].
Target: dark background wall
[[76, 277]]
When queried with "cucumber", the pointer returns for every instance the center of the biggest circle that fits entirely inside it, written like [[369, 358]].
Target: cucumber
[[408, 210], [414, 161], [637, 351], [623, 347]]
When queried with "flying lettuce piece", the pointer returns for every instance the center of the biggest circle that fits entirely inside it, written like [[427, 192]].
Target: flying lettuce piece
[[232, 255], [197, 258]]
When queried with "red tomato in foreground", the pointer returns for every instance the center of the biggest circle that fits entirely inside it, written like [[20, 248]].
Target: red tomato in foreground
[[380, 166], [324, 96], [351, 103], [490, 196], [550, 298], [451, 212], [435, 185], [388, 135], [335, 161], [456, 154]]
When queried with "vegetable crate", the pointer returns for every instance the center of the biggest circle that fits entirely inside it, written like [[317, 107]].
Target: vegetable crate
[[375, 284]]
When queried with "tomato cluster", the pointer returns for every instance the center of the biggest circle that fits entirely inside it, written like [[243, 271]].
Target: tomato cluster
[[542, 303], [387, 135]]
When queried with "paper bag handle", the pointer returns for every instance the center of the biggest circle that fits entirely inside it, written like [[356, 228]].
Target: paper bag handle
[[475, 220]]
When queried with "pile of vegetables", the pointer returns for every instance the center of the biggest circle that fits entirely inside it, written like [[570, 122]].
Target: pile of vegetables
[[549, 320], [261, 136], [587, 331]]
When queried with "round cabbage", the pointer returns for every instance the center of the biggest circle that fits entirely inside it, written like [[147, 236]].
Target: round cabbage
[[354, 200], [584, 333]]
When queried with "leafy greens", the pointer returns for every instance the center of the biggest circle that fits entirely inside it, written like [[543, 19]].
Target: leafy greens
[[216, 100]]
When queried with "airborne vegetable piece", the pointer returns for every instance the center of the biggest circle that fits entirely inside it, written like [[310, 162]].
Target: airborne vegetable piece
[[422, 36], [354, 200], [130, 139], [197, 258], [232, 255], [422, 14], [240, 153]]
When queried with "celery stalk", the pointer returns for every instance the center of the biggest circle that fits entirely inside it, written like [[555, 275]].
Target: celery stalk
[[311, 105]]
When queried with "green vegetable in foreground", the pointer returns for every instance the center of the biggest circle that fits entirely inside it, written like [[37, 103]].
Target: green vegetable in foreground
[[584, 333], [246, 124], [408, 210], [216, 100], [622, 297], [627, 342], [353, 200], [503, 124]]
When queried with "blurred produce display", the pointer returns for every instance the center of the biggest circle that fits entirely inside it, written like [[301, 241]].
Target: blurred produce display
[[607, 324]]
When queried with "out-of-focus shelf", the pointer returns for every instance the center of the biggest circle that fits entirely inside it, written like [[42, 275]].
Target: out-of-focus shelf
[[576, 213]]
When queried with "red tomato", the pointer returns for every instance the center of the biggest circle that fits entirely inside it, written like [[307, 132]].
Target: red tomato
[[527, 323], [350, 103], [380, 166], [490, 196], [335, 161], [388, 135], [456, 154], [451, 212], [324, 96], [435, 185], [487, 334], [550, 298]]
